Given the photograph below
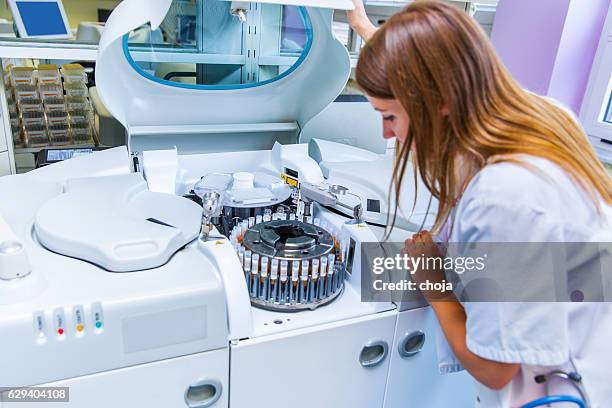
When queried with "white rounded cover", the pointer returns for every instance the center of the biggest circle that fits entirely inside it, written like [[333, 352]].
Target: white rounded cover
[[117, 223], [137, 101]]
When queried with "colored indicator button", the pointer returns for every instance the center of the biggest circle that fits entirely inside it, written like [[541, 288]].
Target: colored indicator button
[[60, 331], [80, 328], [98, 325]]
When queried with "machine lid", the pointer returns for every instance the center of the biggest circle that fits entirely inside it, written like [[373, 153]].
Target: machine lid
[[146, 104], [117, 223]]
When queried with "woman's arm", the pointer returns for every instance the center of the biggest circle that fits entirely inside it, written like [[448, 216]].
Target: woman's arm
[[452, 318], [359, 21]]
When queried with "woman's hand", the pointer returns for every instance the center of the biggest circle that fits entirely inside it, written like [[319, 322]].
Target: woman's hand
[[359, 21], [431, 269], [451, 315]]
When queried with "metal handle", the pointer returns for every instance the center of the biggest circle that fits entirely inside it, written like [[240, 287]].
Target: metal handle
[[373, 353], [203, 393], [411, 344]]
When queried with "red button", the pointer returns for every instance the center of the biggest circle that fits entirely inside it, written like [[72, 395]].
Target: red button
[[60, 331]]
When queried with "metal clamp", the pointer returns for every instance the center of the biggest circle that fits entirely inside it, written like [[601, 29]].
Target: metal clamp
[[203, 393], [411, 344], [373, 353]]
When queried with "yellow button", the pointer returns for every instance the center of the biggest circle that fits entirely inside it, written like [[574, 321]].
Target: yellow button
[[80, 327]]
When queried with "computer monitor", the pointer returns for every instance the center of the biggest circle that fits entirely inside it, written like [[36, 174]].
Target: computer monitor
[[40, 18], [103, 15]]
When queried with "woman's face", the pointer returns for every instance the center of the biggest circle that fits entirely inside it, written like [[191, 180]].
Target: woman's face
[[394, 117]]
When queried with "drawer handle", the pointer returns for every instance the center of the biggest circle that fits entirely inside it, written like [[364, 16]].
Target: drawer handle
[[373, 353], [203, 393], [411, 344]]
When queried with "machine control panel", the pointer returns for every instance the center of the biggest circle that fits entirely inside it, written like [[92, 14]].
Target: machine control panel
[[79, 320], [97, 316], [40, 326], [76, 325], [59, 320]]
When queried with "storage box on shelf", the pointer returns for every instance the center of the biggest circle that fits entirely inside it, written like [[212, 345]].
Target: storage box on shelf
[[74, 73], [23, 76], [48, 74], [33, 118], [29, 104], [48, 106], [14, 118], [35, 135], [59, 134], [81, 132], [18, 140], [76, 89], [55, 104], [57, 118], [51, 91], [26, 91]]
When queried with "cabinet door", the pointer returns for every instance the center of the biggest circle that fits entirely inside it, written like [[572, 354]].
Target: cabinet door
[[315, 367], [162, 384], [5, 164], [414, 378]]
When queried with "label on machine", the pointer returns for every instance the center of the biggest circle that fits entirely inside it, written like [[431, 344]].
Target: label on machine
[[290, 177]]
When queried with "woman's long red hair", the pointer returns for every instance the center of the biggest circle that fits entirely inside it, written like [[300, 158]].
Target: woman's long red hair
[[434, 58]]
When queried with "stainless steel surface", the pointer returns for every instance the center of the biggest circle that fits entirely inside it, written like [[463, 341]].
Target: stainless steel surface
[[289, 265]]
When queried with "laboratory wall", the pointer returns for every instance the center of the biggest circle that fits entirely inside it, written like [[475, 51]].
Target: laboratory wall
[[76, 10], [549, 45]]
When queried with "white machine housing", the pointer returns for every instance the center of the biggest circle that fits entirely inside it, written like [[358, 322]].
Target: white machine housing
[[127, 307]]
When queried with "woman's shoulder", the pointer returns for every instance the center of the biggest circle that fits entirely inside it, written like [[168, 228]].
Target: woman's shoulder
[[522, 178], [529, 192]]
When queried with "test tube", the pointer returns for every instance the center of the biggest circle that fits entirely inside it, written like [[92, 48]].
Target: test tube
[[305, 267], [264, 264], [255, 275], [309, 219], [322, 278], [304, 281], [258, 219], [329, 287], [332, 260], [251, 222], [273, 280], [293, 290], [255, 263], [315, 267], [247, 268], [241, 255], [267, 215], [295, 268], [313, 280], [264, 292], [283, 282]]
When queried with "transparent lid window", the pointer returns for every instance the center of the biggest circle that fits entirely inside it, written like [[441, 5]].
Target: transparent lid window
[[208, 44]]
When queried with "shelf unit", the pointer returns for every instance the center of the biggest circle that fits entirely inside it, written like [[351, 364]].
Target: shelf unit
[[39, 50]]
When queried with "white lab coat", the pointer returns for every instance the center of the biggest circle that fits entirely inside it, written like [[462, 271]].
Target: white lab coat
[[510, 203]]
